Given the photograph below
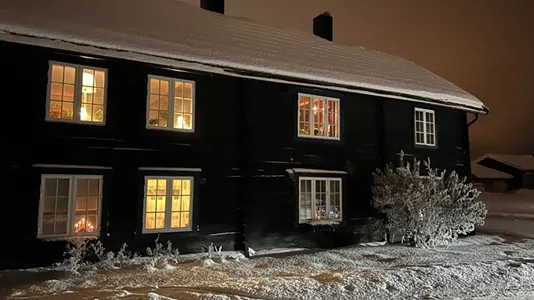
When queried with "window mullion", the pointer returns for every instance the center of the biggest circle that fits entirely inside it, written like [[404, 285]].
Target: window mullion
[[172, 91], [312, 117], [168, 204], [327, 191], [70, 206], [77, 93], [424, 128], [313, 194]]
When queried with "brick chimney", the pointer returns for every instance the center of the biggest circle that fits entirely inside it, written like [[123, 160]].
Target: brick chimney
[[213, 5], [323, 26]]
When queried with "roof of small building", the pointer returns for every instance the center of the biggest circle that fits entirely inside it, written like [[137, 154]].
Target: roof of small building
[[487, 173], [179, 35], [520, 162]]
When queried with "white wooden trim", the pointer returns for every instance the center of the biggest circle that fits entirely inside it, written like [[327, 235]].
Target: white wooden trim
[[315, 171], [325, 117], [168, 205], [71, 206], [172, 90], [170, 169], [313, 193], [54, 166], [424, 120], [78, 82]]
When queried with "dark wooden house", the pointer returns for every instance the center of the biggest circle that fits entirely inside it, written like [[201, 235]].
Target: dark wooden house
[[146, 118], [519, 167]]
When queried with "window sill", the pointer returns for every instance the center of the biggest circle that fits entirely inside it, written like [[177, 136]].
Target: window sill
[[75, 122], [67, 238], [166, 231], [170, 129], [322, 138], [322, 222]]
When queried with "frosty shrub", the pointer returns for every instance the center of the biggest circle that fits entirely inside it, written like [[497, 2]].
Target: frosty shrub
[[430, 210], [162, 254], [213, 251], [75, 253]]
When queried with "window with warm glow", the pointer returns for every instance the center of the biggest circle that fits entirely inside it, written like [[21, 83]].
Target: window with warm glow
[[168, 204], [170, 104], [319, 199], [76, 94], [318, 117], [70, 205], [425, 127]]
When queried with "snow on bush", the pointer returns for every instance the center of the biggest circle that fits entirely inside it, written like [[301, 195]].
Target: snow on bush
[[430, 210]]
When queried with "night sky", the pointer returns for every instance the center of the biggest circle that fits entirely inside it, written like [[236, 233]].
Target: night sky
[[485, 47]]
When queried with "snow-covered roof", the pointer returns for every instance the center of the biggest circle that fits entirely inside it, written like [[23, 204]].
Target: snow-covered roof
[[179, 35], [520, 162], [488, 173]]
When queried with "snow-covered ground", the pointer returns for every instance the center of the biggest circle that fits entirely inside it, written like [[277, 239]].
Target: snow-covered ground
[[509, 213], [477, 267]]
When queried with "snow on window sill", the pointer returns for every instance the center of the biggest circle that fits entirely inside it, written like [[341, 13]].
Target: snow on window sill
[[67, 238], [319, 222]]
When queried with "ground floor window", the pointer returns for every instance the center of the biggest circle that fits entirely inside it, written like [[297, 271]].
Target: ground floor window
[[167, 204], [70, 205], [319, 199]]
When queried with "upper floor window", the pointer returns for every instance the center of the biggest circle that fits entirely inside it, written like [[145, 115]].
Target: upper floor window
[[319, 199], [76, 94], [70, 205], [168, 204], [318, 117], [171, 104], [425, 127]]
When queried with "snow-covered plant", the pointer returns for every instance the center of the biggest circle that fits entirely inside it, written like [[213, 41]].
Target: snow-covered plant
[[161, 254], [213, 251], [429, 210], [75, 253]]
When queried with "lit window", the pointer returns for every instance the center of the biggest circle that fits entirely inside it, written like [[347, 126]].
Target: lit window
[[168, 205], [70, 205], [318, 117], [319, 199], [170, 104], [76, 94], [425, 127]]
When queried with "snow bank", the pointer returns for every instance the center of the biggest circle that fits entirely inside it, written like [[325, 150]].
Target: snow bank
[[478, 266]]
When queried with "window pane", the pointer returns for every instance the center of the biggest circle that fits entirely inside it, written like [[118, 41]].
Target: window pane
[[188, 106], [160, 220], [153, 118], [178, 89], [320, 199], [163, 118], [154, 86], [164, 87], [160, 203], [304, 115], [87, 191], [175, 220], [188, 121], [48, 224], [188, 90], [150, 221], [186, 186], [154, 102], [184, 220], [318, 117], [63, 187], [70, 75], [150, 204], [56, 91], [68, 92], [99, 96], [100, 79], [151, 186], [57, 73], [178, 104]]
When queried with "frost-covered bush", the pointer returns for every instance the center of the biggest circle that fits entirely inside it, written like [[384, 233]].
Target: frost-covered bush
[[213, 251], [162, 254], [429, 210], [82, 254]]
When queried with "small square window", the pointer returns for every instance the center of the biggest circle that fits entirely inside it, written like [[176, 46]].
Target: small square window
[[168, 205], [170, 104], [425, 127], [70, 206], [318, 117], [76, 94], [320, 199]]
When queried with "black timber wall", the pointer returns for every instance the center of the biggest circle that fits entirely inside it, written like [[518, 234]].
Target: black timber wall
[[123, 145], [274, 147], [452, 149]]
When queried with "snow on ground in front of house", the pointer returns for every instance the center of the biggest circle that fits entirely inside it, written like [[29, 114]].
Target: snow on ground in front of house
[[482, 266]]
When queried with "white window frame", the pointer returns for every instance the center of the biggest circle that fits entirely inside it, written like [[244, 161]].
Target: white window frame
[[78, 82], [71, 208], [312, 121], [313, 191], [425, 137], [168, 205], [172, 91]]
